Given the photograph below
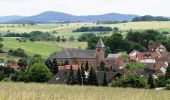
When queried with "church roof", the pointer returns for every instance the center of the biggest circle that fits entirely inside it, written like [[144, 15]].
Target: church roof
[[74, 53], [100, 44]]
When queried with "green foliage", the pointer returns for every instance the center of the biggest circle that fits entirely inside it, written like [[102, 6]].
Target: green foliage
[[105, 83], [38, 72], [79, 81], [71, 38], [93, 28], [102, 66], [5, 72], [134, 65], [167, 75], [86, 66], [168, 87], [92, 78], [52, 65], [86, 37], [35, 59], [150, 18], [17, 53], [151, 82], [161, 82], [131, 80], [70, 78], [19, 76], [143, 37], [22, 62], [83, 74]]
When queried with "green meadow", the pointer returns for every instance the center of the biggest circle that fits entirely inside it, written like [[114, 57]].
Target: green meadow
[[43, 48]]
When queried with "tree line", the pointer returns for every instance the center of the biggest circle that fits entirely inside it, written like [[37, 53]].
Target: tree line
[[93, 29], [150, 18]]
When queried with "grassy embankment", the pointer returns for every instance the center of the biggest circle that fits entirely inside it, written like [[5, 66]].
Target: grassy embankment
[[32, 91]]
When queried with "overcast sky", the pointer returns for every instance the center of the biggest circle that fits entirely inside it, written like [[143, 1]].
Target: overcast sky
[[85, 7]]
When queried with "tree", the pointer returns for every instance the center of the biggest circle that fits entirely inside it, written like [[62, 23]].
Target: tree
[[92, 78], [38, 72], [131, 80], [86, 37], [22, 62], [79, 81], [70, 79], [71, 38], [151, 82], [167, 75], [105, 83], [86, 66], [83, 74], [52, 65], [102, 66]]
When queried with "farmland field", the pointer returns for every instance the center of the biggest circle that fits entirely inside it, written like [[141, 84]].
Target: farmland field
[[66, 29], [32, 91], [42, 47]]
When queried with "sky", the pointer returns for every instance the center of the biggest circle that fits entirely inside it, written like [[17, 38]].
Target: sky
[[85, 7]]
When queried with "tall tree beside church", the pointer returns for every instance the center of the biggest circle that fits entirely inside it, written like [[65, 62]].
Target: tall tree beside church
[[70, 78], [92, 79], [86, 66], [102, 66], [79, 77], [52, 65], [105, 83], [83, 75]]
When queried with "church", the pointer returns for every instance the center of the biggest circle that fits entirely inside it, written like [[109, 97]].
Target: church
[[72, 56]]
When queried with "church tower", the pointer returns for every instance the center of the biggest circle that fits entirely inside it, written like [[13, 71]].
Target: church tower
[[100, 51]]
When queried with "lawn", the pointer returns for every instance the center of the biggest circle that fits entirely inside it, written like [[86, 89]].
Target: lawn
[[33, 91], [41, 47]]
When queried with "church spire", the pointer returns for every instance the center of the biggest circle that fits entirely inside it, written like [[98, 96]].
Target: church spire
[[100, 44]]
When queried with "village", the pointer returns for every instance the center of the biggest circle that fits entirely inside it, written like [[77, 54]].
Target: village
[[154, 61]]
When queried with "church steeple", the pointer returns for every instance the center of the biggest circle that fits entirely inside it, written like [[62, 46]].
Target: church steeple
[[100, 44], [100, 51]]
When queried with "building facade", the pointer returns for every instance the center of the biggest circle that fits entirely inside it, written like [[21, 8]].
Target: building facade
[[70, 56]]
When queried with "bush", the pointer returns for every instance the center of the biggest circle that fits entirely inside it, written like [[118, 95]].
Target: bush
[[134, 65], [131, 80], [168, 87], [17, 53], [38, 72]]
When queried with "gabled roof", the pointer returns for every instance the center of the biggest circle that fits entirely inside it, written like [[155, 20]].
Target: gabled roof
[[100, 44], [74, 53]]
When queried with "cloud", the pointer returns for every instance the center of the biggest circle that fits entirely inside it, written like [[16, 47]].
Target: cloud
[[85, 7]]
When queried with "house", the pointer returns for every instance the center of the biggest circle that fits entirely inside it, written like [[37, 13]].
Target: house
[[114, 62], [78, 57], [110, 76], [156, 47], [14, 65], [133, 55], [2, 63]]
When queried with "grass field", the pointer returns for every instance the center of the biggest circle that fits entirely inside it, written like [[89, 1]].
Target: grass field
[[66, 29], [42, 47], [32, 91]]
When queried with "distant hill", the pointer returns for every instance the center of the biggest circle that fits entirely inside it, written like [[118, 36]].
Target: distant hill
[[51, 16], [150, 18], [9, 18]]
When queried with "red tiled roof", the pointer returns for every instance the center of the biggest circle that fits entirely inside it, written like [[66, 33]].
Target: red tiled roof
[[153, 47], [67, 67], [15, 66]]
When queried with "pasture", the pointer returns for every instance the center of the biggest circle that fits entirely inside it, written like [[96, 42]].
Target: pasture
[[33, 91], [42, 47]]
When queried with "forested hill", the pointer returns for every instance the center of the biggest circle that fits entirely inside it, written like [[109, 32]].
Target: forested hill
[[150, 18]]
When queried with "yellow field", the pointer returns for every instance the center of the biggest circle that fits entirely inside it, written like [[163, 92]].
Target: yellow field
[[32, 91]]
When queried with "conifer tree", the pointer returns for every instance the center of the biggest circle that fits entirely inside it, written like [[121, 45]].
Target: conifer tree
[[167, 75], [102, 66], [151, 82], [95, 81], [90, 77], [105, 83], [70, 78], [86, 66], [79, 77], [83, 75]]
